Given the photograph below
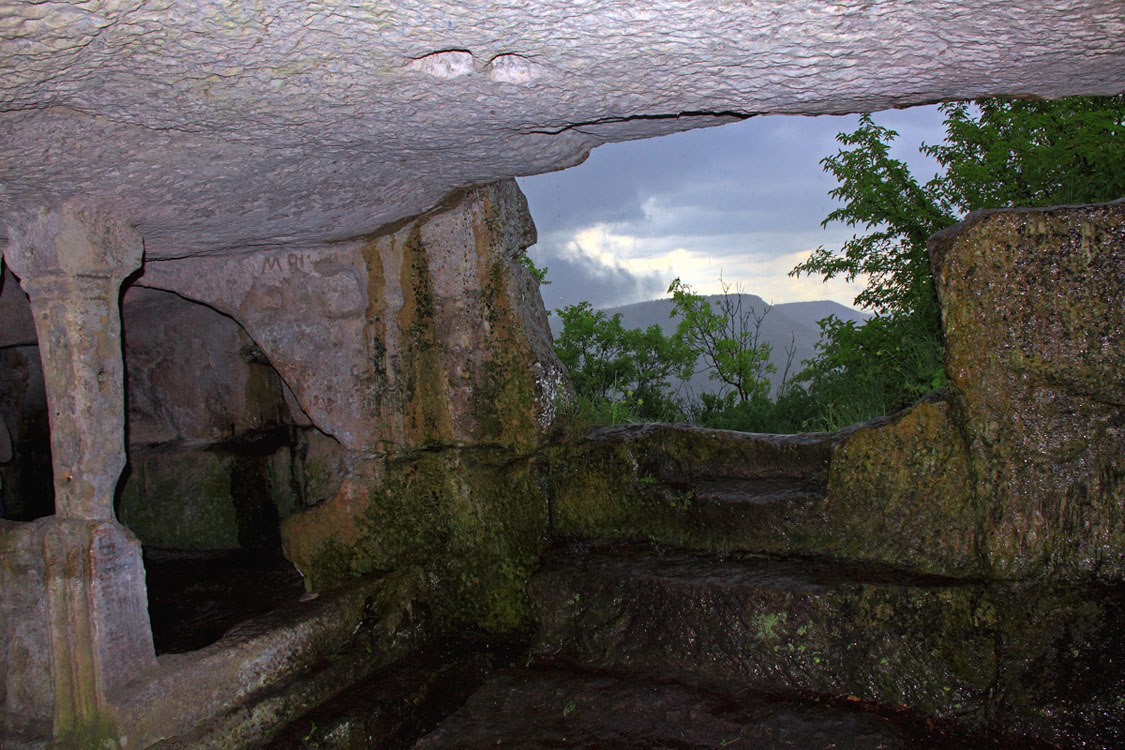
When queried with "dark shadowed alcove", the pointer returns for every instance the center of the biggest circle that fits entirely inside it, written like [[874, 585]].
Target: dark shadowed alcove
[[216, 458]]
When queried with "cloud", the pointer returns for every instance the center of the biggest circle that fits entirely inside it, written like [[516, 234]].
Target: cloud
[[741, 198], [575, 275]]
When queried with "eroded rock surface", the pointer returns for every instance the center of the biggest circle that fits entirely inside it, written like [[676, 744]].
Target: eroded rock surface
[[540, 709], [216, 456], [195, 376], [439, 383], [1035, 347], [289, 405], [432, 333], [227, 125], [945, 647], [901, 491], [263, 151]]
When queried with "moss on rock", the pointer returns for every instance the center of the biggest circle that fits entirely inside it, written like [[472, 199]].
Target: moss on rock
[[898, 492], [640, 482], [180, 499], [469, 520], [901, 492], [425, 386], [1035, 348], [1040, 660]]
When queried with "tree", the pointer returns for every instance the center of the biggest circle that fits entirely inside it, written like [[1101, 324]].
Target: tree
[[610, 366], [1015, 152], [728, 339], [997, 153], [656, 358], [591, 346], [899, 215]]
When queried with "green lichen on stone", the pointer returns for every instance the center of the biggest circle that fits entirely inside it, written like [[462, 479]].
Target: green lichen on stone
[[97, 732], [1035, 334], [180, 499], [1062, 646], [504, 398], [901, 493], [281, 482], [373, 378], [592, 493], [1040, 659], [224, 497], [319, 480], [639, 483], [473, 520], [424, 382], [770, 626], [330, 564]]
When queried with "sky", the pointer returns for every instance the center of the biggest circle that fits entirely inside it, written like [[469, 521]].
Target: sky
[[741, 202]]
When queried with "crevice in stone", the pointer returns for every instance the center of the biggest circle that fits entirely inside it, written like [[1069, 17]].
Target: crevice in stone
[[616, 119]]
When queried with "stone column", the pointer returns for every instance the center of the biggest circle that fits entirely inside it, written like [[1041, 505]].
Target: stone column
[[71, 261]]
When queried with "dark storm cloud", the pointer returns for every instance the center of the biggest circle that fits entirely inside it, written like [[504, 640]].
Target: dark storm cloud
[[728, 190], [575, 276]]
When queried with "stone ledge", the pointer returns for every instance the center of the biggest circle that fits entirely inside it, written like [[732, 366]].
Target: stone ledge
[[235, 691]]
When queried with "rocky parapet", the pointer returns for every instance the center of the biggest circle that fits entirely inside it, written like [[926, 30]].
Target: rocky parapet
[[1035, 348], [1019, 471]]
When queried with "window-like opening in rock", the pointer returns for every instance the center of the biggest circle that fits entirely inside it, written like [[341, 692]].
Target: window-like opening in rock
[[736, 213], [744, 200], [216, 459], [729, 212]]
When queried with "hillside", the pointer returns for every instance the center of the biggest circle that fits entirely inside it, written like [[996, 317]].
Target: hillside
[[796, 319]]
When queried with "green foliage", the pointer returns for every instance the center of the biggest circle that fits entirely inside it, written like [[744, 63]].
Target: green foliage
[[791, 411], [997, 153], [728, 339], [539, 274], [899, 215], [1016, 152], [618, 374], [863, 371]]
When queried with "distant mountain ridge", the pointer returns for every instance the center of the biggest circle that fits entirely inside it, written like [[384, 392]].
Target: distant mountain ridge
[[796, 319]]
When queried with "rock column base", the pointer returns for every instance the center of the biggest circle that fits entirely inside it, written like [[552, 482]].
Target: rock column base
[[97, 610]]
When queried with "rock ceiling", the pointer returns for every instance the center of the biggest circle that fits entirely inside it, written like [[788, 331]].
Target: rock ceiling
[[224, 125]]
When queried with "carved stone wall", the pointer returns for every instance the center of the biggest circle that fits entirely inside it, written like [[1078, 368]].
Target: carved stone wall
[[429, 334], [1020, 473], [1035, 347]]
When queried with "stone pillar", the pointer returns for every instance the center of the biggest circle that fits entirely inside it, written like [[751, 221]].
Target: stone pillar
[[71, 261]]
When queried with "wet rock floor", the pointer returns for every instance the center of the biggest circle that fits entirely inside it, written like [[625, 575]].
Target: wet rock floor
[[552, 708], [398, 704], [478, 695], [196, 596]]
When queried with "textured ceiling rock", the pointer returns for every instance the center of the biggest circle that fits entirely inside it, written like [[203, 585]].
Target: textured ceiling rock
[[219, 125]]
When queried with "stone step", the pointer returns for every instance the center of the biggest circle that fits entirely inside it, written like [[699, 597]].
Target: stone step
[[761, 515], [693, 488], [1040, 660], [551, 708]]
